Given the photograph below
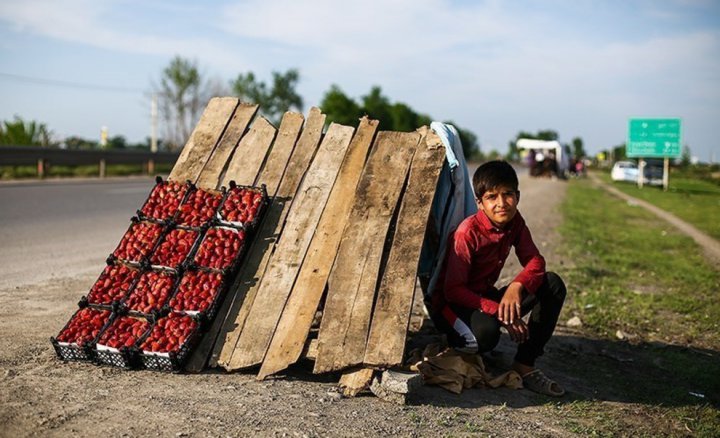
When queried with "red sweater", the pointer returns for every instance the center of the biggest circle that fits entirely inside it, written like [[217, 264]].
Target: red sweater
[[475, 256]]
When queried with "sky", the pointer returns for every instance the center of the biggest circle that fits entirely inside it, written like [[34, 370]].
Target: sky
[[579, 67]]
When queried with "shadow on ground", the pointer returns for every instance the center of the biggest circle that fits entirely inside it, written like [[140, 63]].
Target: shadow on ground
[[597, 369]]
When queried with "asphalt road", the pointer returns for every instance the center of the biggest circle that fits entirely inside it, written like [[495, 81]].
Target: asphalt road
[[56, 229]]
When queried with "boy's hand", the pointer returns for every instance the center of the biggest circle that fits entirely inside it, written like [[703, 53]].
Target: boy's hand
[[518, 331], [509, 309]]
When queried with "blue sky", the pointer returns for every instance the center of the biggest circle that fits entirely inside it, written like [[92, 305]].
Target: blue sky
[[580, 67]]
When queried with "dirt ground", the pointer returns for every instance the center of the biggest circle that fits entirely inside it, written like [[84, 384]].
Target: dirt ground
[[42, 396]]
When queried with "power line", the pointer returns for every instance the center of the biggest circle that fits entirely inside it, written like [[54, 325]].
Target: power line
[[69, 84]]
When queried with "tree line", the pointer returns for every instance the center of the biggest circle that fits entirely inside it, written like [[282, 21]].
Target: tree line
[[183, 91]]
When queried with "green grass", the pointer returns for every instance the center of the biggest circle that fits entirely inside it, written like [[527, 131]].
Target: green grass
[[636, 273], [694, 200], [29, 172]]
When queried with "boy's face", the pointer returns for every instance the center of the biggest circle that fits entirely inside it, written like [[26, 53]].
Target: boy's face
[[500, 205]]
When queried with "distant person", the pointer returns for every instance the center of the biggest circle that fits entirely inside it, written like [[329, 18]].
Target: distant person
[[468, 308]]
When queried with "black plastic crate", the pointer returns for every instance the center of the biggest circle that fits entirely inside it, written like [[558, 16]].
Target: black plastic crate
[[129, 305], [72, 351], [208, 313], [108, 274], [168, 265], [182, 218], [121, 356], [235, 263], [147, 213], [222, 214], [137, 260], [172, 361]]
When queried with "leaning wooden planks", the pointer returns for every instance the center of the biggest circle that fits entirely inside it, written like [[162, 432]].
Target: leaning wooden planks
[[257, 259], [297, 316], [285, 262], [353, 279], [386, 340], [203, 139]]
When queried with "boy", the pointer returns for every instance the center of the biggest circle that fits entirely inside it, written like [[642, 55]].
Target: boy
[[466, 305]]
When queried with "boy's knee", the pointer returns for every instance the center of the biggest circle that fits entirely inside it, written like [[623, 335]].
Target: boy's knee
[[556, 285], [486, 329]]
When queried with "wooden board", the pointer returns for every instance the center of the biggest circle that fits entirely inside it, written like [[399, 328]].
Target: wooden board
[[386, 341], [210, 175], [354, 276], [296, 320], [290, 250], [354, 381], [270, 176], [257, 260], [249, 156], [204, 138]]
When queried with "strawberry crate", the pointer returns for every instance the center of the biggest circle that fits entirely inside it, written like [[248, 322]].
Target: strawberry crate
[[200, 292], [175, 248], [115, 344], [199, 207], [170, 342], [76, 341], [221, 249], [112, 286], [151, 292], [243, 206], [138, 242], [163, 203]]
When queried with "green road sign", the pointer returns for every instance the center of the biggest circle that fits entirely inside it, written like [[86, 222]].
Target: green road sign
[[654, 138]]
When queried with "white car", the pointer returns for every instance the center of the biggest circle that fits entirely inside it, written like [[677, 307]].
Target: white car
[[628, 171]]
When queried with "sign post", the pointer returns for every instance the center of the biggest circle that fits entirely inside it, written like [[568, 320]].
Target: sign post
[[657, 138]]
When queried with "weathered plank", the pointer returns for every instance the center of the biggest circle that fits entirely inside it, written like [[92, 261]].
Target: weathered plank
[[245, 164], [296, 320], [270, 176], [211, 173], [256, 262], [386, 341], [290, 250], [354, 381], [354, 276], [203, 139]]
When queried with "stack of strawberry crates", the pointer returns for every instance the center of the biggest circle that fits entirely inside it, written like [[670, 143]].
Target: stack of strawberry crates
[[166, 279]]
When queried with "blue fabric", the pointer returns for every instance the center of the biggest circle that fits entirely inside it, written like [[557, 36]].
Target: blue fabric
[[454, 201]]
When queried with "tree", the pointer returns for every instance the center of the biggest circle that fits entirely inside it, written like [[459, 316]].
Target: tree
[[181, 100], [686, 157], [578, 148], [377, 107], [21, 133], [117, 142], [339, 108], [76, 142], [274, 101]]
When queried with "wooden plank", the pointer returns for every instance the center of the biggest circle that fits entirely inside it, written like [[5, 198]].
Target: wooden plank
[[210, 175], [354, 276], [386, 341], [245, 164], [203, 139], [354, 381], [297, 317], [270, 176], [290, 250], [256, 264]]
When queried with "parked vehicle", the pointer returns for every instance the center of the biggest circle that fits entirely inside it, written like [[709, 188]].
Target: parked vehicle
[[628, 171]]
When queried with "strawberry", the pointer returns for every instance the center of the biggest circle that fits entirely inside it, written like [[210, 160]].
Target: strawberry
[[84, 326]]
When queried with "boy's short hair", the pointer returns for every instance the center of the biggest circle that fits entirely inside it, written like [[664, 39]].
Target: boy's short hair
[[494, 174]]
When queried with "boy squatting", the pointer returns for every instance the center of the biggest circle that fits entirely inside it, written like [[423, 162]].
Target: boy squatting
[[465, 304]]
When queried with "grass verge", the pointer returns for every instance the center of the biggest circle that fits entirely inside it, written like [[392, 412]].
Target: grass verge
[[635, 277], [693, 200]]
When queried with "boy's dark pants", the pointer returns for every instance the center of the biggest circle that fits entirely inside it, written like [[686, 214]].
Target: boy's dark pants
[[545, 306]]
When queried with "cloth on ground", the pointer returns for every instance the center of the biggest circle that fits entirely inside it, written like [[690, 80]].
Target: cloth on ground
[[454, 201], [455, 371]]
